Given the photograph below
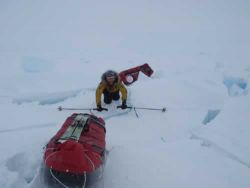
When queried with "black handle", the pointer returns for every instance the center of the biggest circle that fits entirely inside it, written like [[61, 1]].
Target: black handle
[[105, 109]]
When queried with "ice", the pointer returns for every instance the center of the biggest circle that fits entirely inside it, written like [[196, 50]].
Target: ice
[[236, 86], [53, 53], [211, 114]]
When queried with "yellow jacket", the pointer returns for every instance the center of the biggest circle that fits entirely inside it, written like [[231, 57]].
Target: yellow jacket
[[118, 86]]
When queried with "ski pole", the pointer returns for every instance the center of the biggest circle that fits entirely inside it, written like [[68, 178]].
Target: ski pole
[[144, 108], [61, 108]]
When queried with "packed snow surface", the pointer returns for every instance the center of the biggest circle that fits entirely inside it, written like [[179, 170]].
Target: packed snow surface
[[53, 53]]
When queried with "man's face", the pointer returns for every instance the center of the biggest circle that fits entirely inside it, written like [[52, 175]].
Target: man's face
[[110, 80]]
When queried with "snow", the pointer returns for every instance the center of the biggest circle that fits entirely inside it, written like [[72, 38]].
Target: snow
[[53, 53]]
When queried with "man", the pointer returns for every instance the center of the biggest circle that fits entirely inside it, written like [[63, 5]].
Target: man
[[110, 87]]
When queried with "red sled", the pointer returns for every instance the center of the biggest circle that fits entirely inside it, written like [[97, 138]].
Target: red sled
[[75, 155], [131, 75]]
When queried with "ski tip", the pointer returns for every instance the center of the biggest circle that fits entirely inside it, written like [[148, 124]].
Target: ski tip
[[164, 110], [59, 108]]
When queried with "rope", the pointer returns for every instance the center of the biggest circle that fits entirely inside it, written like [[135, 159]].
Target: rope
[[85, 180], [49, 155], [93, 165], [65, 186], [51, 170], [57, 179]]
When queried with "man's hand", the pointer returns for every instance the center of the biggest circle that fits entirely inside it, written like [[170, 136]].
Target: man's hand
[[124, 105], [99, 108]]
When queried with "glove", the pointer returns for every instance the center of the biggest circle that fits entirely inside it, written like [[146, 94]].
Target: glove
[[99, 108], [124, 105]]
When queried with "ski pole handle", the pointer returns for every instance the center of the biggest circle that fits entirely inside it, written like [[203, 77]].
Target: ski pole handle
[[105, 109], [120, 106]]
